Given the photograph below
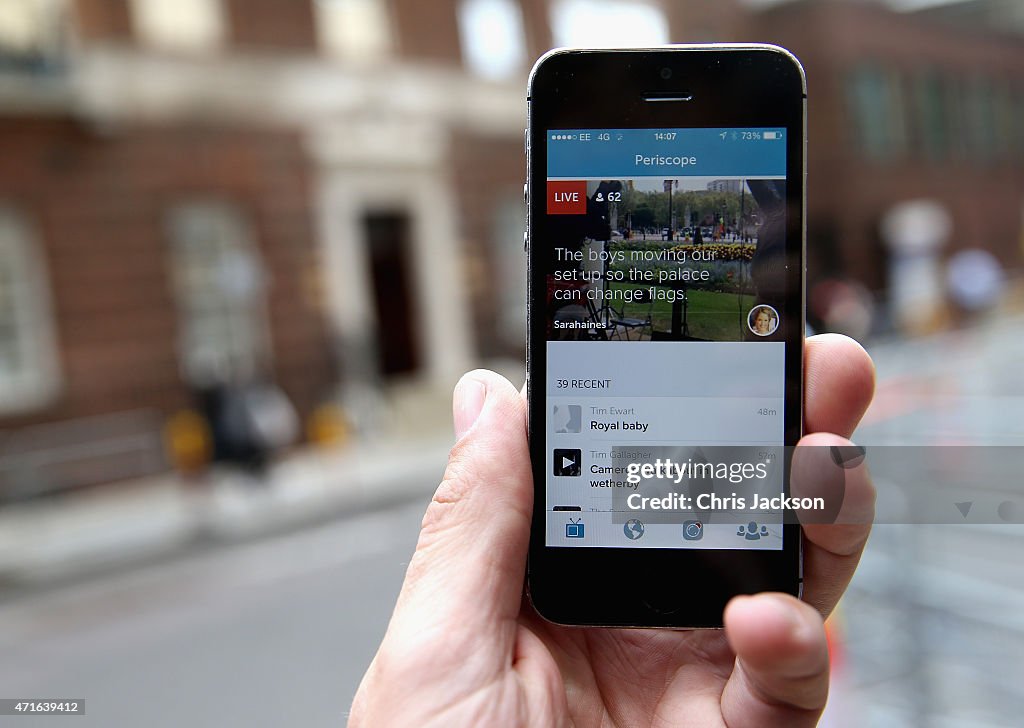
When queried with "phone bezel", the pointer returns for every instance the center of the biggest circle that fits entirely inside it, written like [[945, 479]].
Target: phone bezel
[[731, 85]]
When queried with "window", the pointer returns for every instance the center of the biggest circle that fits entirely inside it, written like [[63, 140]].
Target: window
[[878, 113], [1005, 123], [220, 288], [608, 23], [979, 118], [931, 94], [492, 35], [31, 30], [179, 25], [28, 356], [355, 30]]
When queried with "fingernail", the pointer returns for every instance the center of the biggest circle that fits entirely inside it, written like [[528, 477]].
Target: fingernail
[[848, 456], [785, 611], [467, 404]]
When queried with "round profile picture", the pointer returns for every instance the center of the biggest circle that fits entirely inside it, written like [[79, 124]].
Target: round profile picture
[[762, 320]]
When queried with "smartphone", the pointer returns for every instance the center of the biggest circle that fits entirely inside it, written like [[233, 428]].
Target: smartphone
[[665, 241]]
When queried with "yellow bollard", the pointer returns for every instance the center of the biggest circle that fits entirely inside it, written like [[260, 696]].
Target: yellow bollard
[[188, 441]]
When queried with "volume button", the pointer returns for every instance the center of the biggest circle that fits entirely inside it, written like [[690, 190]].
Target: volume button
[[526, 201]]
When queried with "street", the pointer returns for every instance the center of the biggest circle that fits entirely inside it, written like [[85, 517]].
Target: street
[[931, 628], [270, 633]]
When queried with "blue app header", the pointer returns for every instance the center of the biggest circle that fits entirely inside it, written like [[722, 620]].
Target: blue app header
[[627, 153]]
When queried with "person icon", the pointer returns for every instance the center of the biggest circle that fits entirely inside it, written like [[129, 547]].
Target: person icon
[[567, 418], [762, 320]]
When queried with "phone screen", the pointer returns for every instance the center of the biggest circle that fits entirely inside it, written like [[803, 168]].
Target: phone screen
[[664, 254]]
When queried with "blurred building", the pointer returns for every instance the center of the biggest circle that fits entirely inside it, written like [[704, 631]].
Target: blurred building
[[725, 185], [905, 106], [322, 194], [1003, 16], [327, 194]]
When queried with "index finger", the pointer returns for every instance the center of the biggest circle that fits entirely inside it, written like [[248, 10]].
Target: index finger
[[839, 382]]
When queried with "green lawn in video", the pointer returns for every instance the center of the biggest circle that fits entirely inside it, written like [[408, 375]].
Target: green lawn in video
[[711, 315]]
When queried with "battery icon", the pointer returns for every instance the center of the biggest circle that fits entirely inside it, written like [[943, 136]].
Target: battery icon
[[773, 135]]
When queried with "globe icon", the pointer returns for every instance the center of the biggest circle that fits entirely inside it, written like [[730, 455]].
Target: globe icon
[[633, 529]]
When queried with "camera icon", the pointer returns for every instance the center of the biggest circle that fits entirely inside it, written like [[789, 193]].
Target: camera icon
[[693, 530]]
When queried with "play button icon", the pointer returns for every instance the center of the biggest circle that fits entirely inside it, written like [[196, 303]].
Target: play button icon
[[568, 461]]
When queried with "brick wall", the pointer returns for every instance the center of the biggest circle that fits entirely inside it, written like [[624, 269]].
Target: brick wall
[[272, 24], [704, 21], [99, 204], [103, 19], [536, 23], [427, 31], [848, 191]]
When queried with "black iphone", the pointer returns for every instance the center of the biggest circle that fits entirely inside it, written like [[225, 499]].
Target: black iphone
[[666, 324]]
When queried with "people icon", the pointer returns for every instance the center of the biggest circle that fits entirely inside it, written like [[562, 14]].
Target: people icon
[[751, 532], [763, 320]]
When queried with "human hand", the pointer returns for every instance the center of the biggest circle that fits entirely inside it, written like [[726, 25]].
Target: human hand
[[464, 648]]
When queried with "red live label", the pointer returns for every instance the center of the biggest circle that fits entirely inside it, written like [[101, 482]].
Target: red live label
[[567, 197]]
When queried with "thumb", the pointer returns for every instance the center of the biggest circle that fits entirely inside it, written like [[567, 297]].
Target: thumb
[[468, 569]]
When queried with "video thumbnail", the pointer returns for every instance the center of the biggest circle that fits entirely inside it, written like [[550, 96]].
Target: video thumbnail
[[645, 259]]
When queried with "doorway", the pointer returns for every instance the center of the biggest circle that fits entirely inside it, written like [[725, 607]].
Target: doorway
[[387, 236]]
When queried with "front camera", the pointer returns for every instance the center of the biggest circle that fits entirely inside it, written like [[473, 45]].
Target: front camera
[[666, 74]]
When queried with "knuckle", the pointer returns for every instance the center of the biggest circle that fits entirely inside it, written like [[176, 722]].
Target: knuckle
[[454, 490], [455, 486]]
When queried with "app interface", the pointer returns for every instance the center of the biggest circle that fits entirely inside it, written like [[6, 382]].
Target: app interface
[[665, 268]]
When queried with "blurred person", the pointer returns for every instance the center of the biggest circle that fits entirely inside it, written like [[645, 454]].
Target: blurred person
[[974, 280], [249, 423], [465, 648], [842, 306]]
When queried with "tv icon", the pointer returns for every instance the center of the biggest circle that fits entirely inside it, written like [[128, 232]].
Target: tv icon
[[568, 462], [575, 528]]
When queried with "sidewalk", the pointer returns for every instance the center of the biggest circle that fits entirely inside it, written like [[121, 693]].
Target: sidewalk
[[127, 522]]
